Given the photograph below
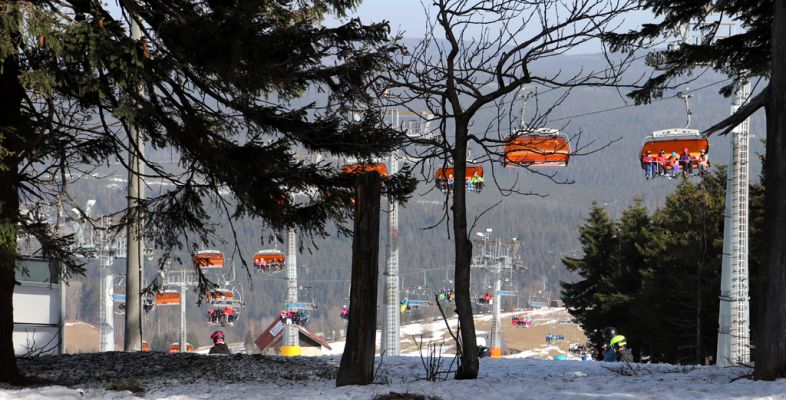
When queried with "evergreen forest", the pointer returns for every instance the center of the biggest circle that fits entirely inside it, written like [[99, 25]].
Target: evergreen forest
[[655, 275]]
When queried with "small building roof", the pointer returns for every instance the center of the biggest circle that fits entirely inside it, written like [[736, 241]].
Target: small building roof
[[274, 333]]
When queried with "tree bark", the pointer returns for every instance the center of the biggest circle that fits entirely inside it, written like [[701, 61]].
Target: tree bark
[[771, 334], [11, 125], [357, 362], [468, 365]]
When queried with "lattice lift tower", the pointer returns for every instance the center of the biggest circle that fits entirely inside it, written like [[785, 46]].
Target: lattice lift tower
[[496, 255], [391, 319], [734, 313]]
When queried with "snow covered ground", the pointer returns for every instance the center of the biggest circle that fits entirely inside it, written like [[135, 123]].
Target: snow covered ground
[[529, 374], [196, 376]]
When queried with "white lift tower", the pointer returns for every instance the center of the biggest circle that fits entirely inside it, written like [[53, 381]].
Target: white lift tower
[[734, 313]]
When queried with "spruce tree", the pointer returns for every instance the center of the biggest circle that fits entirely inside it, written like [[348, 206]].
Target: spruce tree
[[587, 298], [222, 83], [684, 252], [759, 51], [630, 268]]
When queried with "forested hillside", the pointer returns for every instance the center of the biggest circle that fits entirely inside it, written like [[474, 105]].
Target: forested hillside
[[547, 223]]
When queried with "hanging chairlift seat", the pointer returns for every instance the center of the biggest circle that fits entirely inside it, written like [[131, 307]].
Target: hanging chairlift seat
[[361, 168], [167, 298], [544, 147], [675, 140], [220, 298], [175, 347], [209, 259], [443, 174], [269, 260]]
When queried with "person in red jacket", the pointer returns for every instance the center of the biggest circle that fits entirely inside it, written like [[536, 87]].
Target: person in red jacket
[[661, 160], [219, 345]]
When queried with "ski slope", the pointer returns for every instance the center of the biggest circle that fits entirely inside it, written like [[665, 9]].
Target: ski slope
[[195, 376], [524, 373]]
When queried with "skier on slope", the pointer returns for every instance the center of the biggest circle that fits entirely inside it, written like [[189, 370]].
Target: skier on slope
[[617, 348], [219, 346]]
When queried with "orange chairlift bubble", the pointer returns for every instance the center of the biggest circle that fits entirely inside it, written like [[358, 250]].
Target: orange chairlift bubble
[[473, 178], [361, 168], [168, 297], [543, 147], [271, 260], [219, 295], [175, 347], [675, 140], [209, 259]]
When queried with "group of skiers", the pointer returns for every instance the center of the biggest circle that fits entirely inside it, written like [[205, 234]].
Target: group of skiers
[[472, 184], [222, 315], [486, 298], [295, 317], [269, 266], [520, 321], [554, 338], [446, 295], [671, 166]]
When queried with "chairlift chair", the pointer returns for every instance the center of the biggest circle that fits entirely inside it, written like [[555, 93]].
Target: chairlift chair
[[225, 305], [118, 293], [168, 298], [175, 347], [209, 259], [415, 297], [271, 260], [361, 168], [675, 140], [444, 174], [542, 147]]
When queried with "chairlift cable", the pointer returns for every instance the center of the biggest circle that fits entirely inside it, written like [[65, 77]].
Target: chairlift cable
[[634, 105]]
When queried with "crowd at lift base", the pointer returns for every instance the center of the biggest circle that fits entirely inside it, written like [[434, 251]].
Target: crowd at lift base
[[674, 165], [520, 321]]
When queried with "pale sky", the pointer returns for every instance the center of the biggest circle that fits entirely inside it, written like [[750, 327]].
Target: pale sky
[[408, 16]]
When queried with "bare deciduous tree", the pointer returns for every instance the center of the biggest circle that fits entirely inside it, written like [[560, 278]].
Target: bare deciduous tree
[[489, 52]]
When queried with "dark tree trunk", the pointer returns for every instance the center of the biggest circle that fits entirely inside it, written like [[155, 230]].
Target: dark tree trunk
[[468, 366], [699, 348], [11, 94], [771, 333], [357, 362]]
